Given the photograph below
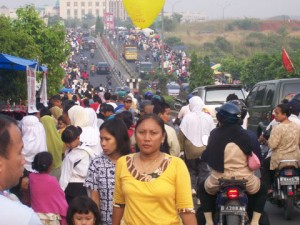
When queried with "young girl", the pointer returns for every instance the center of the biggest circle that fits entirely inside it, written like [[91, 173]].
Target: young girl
[[47, 198], [75, 164], [83, 210]]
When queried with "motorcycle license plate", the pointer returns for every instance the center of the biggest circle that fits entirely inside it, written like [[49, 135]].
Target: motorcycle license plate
[[289, 180], [233, 209]]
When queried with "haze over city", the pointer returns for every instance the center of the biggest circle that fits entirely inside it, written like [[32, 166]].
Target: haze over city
[[211, 9]]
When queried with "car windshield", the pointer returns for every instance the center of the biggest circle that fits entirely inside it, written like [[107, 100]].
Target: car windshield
[[146, 66], [219, 96], [173, 87], [103, 64]]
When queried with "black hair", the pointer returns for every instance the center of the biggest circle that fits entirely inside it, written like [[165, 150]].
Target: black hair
[[126, 116], [161, 108], [114, 97], [5, 123], [105, 107], [107, 96], [70, 134], [86, 102], [83, 205], [232, 96], [284, 108], [66, 105], [165, 146], [117, 128], [42, 162], [45, 112], [96, 98]]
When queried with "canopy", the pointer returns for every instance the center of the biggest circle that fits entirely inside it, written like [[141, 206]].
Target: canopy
[[15, 63]]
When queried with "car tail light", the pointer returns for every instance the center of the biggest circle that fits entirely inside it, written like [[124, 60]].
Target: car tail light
[[290, 193], [232, 193]]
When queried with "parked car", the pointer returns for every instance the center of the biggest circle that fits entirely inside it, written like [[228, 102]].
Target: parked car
[[173, 89], [102, 68], [264, 97], [122, 91], [215, 95]]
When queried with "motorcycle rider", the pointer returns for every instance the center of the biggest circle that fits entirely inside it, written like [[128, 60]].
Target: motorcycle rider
[[284, 141], [92, 69], [226, 154], [92, 52]]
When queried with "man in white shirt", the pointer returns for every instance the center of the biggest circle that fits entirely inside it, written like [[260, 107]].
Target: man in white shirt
[[11, 169]]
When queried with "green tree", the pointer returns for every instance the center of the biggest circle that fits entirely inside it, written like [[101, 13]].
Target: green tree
[[201, 73], [176, 17], [169, 24], [233, 66], [262, 66], [99, 28], [172, 41], [51, 42]]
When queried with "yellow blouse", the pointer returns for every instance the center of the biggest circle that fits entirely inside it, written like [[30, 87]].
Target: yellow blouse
[[155, 201]]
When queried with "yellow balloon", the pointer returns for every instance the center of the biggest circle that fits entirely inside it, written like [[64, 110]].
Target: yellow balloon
[[143, 12]]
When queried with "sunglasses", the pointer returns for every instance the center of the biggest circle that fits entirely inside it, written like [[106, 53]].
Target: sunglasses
[[128, 101]]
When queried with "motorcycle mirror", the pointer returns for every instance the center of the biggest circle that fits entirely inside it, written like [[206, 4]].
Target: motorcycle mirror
[[204, 139]]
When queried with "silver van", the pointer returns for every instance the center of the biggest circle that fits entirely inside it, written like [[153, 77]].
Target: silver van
[[264, 97]]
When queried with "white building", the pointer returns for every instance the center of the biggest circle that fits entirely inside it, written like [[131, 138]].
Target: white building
[[4, 11], [80, 8]]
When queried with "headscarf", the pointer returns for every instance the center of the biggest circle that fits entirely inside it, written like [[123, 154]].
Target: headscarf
[[219, 138], [34, 139], [83, 118], [78, 116], [54, 142], [197, 123]]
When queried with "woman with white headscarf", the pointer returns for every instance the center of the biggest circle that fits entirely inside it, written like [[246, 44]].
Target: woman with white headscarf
[[34, 139], [193, 127], [83, 118]]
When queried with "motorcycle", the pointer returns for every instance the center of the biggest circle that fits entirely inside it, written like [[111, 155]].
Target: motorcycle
[[232, 202], [285, 186], [178, 103]]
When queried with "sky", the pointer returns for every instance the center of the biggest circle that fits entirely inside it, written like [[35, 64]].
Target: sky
[[211, 9]]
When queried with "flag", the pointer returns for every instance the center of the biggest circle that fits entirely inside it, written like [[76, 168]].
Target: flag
[[31, 82], [43, 94], [286, 61]]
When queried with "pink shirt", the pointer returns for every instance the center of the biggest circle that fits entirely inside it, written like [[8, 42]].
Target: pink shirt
[[46, 195]]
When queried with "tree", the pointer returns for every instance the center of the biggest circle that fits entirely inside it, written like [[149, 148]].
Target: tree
[[53, 49], [201, 73], [172, 41], [99, 28], [233, 66], [176, 17], [262, 66]]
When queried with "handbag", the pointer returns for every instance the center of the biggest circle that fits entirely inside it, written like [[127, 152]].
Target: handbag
[[253, 162]]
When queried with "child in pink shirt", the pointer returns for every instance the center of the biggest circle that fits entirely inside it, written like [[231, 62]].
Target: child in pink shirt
[[47, 197]]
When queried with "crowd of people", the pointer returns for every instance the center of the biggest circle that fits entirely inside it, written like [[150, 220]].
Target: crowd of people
[[175, 61], [119, 163]]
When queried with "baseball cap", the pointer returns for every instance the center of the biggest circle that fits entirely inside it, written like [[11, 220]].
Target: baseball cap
[[128, 98]]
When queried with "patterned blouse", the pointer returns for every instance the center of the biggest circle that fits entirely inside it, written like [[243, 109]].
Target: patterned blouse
[[101, 177]]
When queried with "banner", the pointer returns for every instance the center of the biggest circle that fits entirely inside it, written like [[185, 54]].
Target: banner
[[31, 80], [286, 61], [43, 94], [108, 20]]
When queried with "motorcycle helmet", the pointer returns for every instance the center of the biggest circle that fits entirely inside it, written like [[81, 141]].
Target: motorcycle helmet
[[189, 97], [229, 113], [148, 95]]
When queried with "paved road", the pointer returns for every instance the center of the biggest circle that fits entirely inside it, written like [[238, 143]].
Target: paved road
[[276, 216]]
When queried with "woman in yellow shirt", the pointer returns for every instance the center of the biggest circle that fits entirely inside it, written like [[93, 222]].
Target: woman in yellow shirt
[[152, 187]]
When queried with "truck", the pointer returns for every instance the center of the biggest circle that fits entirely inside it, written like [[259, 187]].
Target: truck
[[130, 52]]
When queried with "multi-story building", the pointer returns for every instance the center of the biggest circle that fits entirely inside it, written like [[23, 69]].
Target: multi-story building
[[80, 8]]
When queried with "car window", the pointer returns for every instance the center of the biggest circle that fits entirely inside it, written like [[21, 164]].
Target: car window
[[290, 89], [219, 96], [251, 97], [270, 94], [260, 95]]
